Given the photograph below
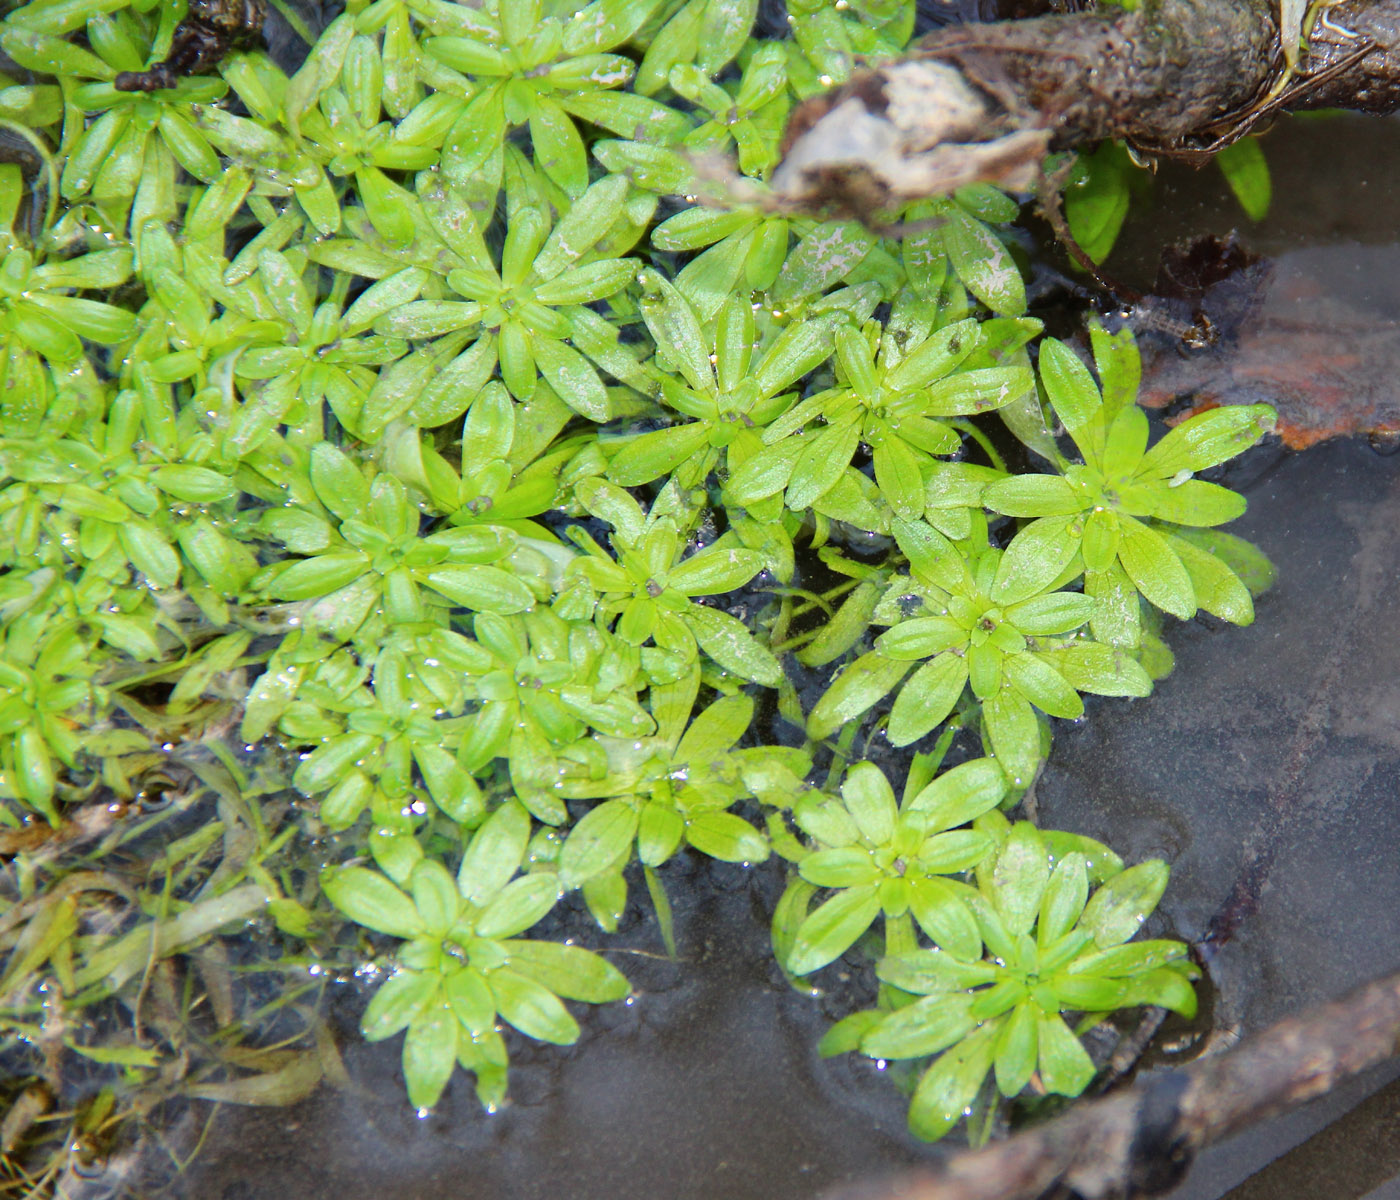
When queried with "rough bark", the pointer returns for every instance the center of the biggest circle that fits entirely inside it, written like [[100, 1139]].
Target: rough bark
[[1141, 1141], [1372, 82], [989, 102]]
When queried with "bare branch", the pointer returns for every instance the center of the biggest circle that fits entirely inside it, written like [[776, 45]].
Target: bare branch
[[1141, 1141], [988, 102]]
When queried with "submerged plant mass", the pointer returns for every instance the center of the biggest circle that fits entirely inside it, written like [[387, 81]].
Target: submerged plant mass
[[396, 473]]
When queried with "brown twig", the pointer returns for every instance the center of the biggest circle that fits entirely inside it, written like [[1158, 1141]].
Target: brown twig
[[1140, 1142]]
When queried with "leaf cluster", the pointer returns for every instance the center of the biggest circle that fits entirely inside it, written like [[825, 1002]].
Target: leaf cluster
[[367, 416], [1039, 942]]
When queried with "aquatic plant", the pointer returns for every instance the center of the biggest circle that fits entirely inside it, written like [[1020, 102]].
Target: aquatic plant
[[376, 465], [1051, 947], [463, 963]]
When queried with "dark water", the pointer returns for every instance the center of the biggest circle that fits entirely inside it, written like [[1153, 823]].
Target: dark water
[[1282, 742], [1281, 739], [1278, 745], [707, 1084]]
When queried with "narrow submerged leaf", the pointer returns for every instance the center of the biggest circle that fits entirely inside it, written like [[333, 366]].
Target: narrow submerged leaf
[[858, 687], [531, 1008], [1017, 1049], [519, 905], [712, 733], [983, 263], [729, 643], [396, 1003], [369, 899], [930, 972], [870, 801], [434, 896], [600, 842], [1218, 589], [430, 1054], [1065, 1066], [1243, 164], [1039, 682], [832, 929], [1208, 439], [1019, 877], [1036, 558], [948, 1088], [1071, 389], [926, 698], [1063, 901], [839, 867], [924, 1027], [727, 837], [495, 853], [481, 588], [939, 907], [845, 1036], [1154, 569], [845, 629], [568, 971], [1013, 734], [715, 570], [1116, 911], [470, 999], [676, 329], [659, 833], [960, 795], [1032, 496]]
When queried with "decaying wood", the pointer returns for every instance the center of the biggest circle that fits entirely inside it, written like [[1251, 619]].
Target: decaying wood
[[988, 102], [1140, 1142]]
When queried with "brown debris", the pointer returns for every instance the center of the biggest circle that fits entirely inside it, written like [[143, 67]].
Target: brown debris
[[211, 29], [1315, 333], [989, 102]]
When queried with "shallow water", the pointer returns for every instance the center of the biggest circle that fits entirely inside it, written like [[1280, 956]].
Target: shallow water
[[1280, 743], [707, 1084], [1283, 736]]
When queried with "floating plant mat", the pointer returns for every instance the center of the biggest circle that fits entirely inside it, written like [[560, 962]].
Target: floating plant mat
[[703, 1079], [1281, 738]]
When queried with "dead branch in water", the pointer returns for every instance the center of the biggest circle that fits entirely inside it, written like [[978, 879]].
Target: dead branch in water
[[1141, 1141], [987, 103]]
